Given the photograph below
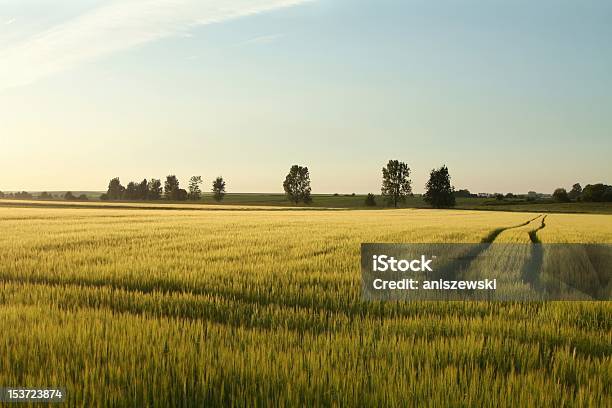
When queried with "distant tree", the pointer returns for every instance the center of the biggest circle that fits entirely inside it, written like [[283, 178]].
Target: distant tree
[[594, 192], [195, 193], [104, 197], [131, 191], [463, 193], [181, 194], [532, 196], [115, 189], [83, 197], [171, 187], [297, 184], [142, 190], [575, 192], [370, 200], [45, 196], [396, 184], [69, 196], [439, 191], [155, 189], [560, 195], [2, 194], [510, 195], [218, 188], [23, 195], [499, 196]]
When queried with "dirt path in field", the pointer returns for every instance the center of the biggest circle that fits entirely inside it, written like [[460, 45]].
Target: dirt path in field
[[489, 239], [473, 254], [533, 235], [532, 268]]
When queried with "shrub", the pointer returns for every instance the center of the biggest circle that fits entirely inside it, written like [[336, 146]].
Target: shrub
[[560, 195], [370, 200]]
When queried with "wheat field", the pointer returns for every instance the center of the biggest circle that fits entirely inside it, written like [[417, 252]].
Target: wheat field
[[258, 306]]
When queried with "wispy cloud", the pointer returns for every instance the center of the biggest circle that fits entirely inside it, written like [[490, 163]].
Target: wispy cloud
[[9, 21], [263, 39], [117, 26]]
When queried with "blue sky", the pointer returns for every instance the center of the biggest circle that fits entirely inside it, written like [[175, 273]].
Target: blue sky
[[511, 95]]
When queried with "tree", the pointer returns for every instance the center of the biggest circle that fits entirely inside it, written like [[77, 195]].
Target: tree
[[171, 187], [24, 195], [532, 196], [45, 196], [597, 192], [142, 190], [439, 192], [69, 196], [575, 192], [297, 185], [181, 194], [194, 188], [370, 200], [560, 195], [131, 191], [83, 197], [510, 195], [115, 189], [218, 188], [155, 189], [463, 194], [1, 194], [396, 183]]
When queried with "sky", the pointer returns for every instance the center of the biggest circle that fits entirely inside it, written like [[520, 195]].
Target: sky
[[511, 95]]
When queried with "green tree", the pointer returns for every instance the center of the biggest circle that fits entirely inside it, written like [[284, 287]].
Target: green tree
[[463, 194], [115, 189], [218, 188], [597, 192], [396, 184], [131, 191], [171, 187], [155, 189], [181, 194], [297, 185], [560, 195], [142, 190], [439, 191], [69, 196], [195, 193], [575, 192], [370, 200]]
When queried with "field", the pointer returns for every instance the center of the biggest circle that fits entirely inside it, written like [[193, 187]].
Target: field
[[248, 306], [347, 201]]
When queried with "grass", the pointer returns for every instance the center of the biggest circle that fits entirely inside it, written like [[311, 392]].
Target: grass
[[150, 307], [349, 201]]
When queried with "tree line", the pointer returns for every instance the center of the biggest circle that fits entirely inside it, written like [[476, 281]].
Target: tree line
[[24, 195], [154, 190], [590, 193], [396, 186]]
